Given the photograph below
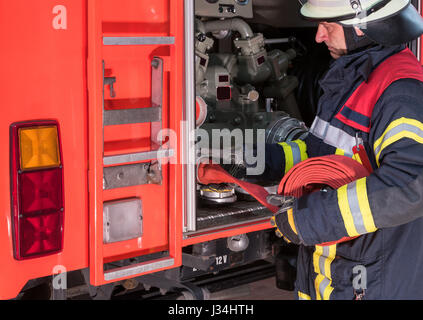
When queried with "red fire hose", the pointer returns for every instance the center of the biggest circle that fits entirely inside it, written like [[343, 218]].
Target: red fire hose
[[306, 177], [315, 173], [212, 173]]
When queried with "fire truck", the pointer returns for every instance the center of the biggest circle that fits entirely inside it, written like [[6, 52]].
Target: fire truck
[[102, 104]]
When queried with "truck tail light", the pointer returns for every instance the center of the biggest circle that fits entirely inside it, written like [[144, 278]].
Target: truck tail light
[[39, 147], [37, 189]]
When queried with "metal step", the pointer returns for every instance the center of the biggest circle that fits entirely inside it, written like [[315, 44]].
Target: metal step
[[138, 269], [138, 157], [131, 116], [136, 41]]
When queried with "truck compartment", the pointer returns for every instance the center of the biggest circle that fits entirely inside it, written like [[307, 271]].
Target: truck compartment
[[256, 80]]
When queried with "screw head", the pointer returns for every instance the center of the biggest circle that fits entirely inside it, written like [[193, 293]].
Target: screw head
[[155, 63], [237, 120], [201, 37]]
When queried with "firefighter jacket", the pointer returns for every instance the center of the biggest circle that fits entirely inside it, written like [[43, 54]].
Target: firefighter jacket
[[385, 209]]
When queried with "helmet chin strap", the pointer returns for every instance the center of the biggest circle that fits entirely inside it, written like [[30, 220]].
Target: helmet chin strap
[[355, 42]]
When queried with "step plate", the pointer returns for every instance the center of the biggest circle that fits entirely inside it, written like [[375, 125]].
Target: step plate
[[139, 268]]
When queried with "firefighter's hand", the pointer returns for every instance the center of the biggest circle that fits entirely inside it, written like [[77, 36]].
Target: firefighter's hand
[[283, 220]]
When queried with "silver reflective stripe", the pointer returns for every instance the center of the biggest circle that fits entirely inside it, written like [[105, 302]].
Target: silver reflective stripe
[[322, 260], [319, 127], [396, 130], [296, 152], [323, 285], [355, 208], [332, 135]]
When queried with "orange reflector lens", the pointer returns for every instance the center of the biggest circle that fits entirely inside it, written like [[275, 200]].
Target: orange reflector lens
[[39, 147]]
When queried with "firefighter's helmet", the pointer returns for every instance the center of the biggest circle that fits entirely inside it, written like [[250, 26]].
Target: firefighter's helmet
[[388, 22]]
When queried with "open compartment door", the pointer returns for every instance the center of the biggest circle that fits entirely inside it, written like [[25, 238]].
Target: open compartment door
[[135, 84]]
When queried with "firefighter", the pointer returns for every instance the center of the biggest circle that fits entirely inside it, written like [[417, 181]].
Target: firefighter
[[372, 98]]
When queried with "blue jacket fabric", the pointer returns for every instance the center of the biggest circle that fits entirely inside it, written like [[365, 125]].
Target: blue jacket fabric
[[385, 209]]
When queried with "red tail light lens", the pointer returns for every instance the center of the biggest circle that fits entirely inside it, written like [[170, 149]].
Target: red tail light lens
[[40, 234], [42, 190], [37, 189]]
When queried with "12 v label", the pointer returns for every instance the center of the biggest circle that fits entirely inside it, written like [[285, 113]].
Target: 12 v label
[[221, 259]]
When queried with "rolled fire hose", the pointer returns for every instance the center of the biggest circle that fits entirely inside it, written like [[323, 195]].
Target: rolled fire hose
[[313, 174], [306, 177]]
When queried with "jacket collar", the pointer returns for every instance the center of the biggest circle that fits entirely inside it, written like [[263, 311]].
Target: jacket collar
[[350, 69]]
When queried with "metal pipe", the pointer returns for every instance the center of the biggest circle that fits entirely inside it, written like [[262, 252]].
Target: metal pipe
[[234, 24], [277, 40], [199, 26]]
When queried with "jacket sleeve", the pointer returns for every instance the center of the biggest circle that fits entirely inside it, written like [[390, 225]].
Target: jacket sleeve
[[393, 194], [281, 157]]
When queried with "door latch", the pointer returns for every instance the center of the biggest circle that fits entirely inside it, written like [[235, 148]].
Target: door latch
[[109, 81]]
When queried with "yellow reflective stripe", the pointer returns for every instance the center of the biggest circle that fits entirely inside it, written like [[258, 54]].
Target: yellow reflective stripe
[[355, 208], [295, 152], [323, 287], [322, 259], [395, 138], [396, 123], [363, 202], [316, 259], [291, 220], [344, 207], [289, 158], [340, 152], [329, 259], [357, 158], [303, 296], [303, 149], [317, 282], [328, 292], [398, 129]]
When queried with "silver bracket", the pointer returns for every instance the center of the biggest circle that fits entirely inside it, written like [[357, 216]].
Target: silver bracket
[[356, 5], [151, 115], [132, 175], [109, 81], [156, 100]]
